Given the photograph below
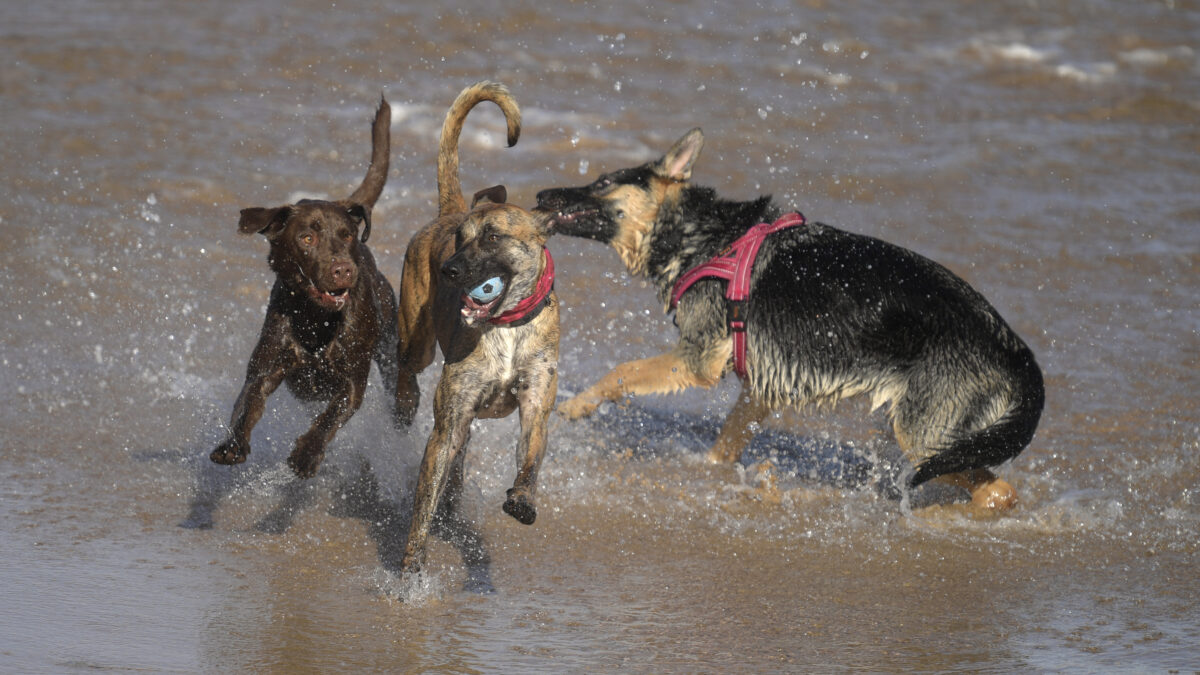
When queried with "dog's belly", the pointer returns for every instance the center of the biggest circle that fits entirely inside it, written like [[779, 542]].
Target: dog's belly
[[314, 382], [499, 400]]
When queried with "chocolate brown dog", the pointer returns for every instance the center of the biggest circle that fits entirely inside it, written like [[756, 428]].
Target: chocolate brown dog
[[478, 281], [331, 312]]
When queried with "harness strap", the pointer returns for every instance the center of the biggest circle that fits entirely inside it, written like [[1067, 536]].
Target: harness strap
[[527, 307], [734, 266]]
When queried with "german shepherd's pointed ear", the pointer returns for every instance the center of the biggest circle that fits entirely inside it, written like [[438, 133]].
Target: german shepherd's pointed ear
[[677, 163], [497, 194], [263, 221]]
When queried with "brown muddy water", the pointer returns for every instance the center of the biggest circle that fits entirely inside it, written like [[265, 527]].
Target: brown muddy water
[[1045, 151]]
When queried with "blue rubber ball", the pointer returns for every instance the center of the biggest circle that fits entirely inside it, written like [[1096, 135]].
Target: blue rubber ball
[[488, 290]]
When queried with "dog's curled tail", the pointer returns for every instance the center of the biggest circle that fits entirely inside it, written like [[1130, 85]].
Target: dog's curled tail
[[1000, 441], [450, 197], [372, 186]]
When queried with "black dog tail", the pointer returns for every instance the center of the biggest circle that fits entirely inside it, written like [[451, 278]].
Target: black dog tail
[[1001, 441]]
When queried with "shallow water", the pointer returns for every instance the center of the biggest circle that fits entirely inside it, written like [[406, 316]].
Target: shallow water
[[1046, 152]]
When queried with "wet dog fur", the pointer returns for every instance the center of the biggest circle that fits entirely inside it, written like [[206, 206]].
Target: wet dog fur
[[489, 370], [331, 312], [831, 314]]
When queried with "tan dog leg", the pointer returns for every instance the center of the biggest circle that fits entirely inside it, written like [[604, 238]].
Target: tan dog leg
[[535, 407], [738, 428], [987, 491], [451, 431], [662, 374]]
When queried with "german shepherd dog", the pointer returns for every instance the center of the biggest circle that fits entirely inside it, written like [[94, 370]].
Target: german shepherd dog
[[331, 312], [830, 314], [500, 349]]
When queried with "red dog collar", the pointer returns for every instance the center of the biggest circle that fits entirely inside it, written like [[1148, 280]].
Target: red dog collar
[[532, 303], [734, 265]]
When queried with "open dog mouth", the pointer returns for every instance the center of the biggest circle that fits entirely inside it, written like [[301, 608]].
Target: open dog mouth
[[332, 300], [567, 217], [479, 301]]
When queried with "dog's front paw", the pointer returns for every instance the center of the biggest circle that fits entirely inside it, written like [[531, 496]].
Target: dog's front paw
[[520, 506], [580, 406], [307, 456], [230, 452]]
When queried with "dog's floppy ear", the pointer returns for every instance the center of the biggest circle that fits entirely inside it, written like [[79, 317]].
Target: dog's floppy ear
[[363, 215], [497, 194], [677, 163], [263, 221]]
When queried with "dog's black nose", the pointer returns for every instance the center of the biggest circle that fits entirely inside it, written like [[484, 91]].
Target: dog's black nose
[[544, 197], [452, 270]]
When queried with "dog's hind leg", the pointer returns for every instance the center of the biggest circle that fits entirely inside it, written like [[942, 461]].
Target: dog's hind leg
[[416, 337], [387, 348], [738, 429], [988, 493]]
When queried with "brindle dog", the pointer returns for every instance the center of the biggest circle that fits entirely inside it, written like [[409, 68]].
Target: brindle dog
[[501, 353], [330, 312], [830, 314]]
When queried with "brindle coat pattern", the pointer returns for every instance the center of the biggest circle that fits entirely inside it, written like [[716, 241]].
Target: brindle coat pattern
[[489, 370], [831, 315], [331, 312]]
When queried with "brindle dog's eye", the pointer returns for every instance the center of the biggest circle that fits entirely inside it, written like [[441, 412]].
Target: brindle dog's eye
[[492, 237]]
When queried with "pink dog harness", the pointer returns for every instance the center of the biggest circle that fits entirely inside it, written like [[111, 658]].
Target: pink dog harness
[[734, 265]]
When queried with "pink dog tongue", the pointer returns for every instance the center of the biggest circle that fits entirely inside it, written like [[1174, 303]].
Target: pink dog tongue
[[476, 311], [328, 299]]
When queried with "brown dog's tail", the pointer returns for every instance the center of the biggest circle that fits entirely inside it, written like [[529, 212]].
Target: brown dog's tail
[[450, 197], [372, 185]]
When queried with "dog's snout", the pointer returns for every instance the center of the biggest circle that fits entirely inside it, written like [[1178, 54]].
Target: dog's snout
[[452, 270], [342, 273], [544, 198]]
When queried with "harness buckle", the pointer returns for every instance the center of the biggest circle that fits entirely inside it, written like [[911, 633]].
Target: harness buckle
[[735, 315]]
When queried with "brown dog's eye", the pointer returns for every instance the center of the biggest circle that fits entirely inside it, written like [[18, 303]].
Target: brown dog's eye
[[308, 239]]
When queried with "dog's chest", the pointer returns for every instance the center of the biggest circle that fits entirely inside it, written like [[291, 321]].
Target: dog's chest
[[503, 351]]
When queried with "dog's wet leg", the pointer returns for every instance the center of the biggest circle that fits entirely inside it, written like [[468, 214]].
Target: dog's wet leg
[[535, 406], [988, 493], [451, 431], [246, 412], [310, 447], [662, 374], [739, 428]]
